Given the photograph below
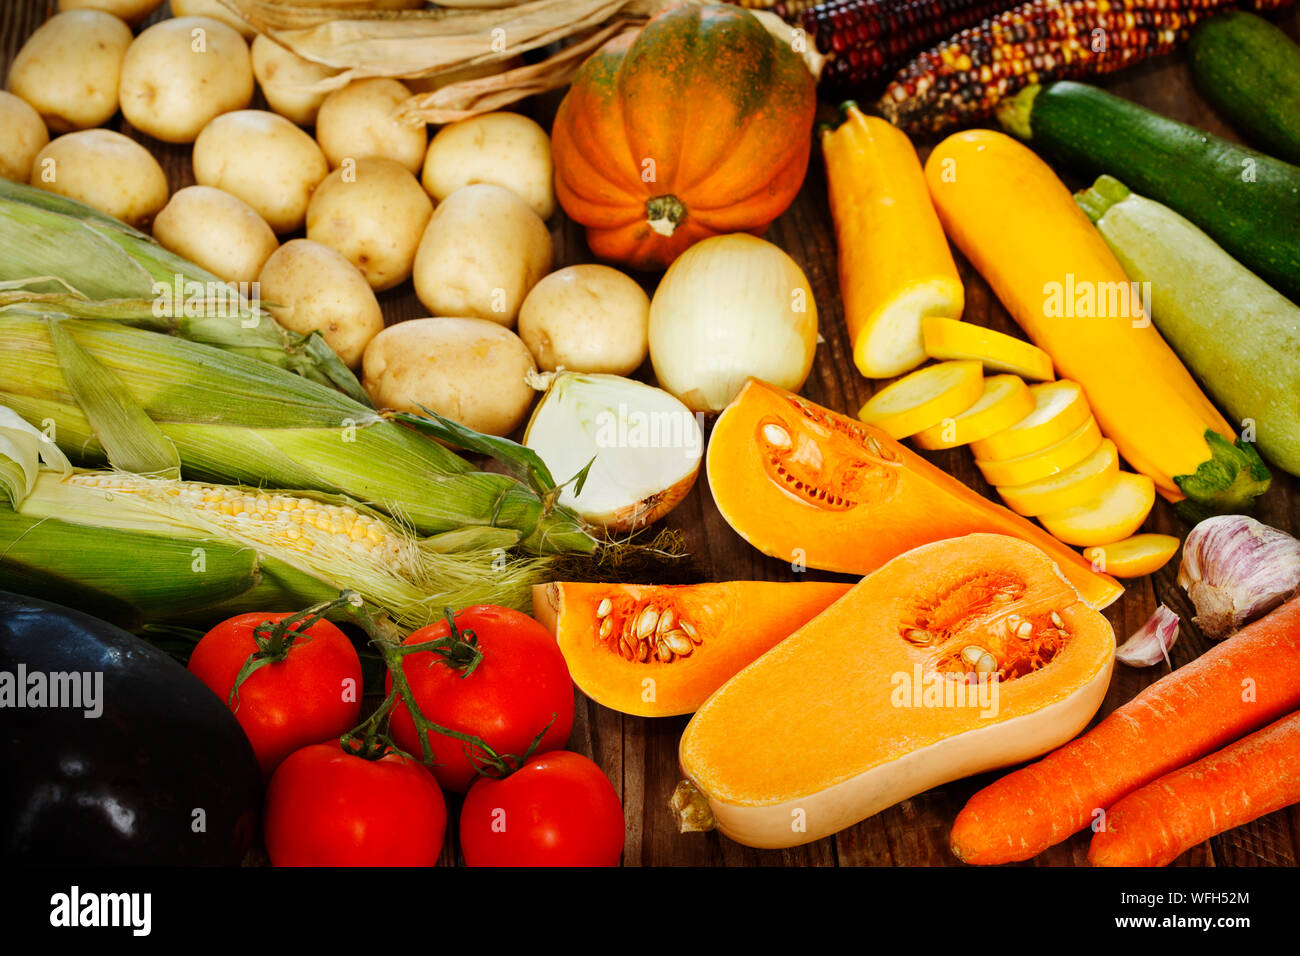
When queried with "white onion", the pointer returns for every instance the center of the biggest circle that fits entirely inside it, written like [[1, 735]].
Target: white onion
[[729, 308], [646, 447]]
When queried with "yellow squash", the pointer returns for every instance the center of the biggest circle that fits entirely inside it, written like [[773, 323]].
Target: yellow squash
[[894, 261], [1021, 228]]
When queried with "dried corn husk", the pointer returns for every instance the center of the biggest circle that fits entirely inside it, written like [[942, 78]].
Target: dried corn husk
[[422, 43]]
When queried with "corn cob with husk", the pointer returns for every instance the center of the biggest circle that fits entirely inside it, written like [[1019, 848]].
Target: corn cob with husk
[[155, 404], [964, 78], [154, 550], [62, 256]]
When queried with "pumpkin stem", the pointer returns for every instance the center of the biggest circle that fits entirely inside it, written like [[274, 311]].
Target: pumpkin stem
[[664, 214], [691, 808]]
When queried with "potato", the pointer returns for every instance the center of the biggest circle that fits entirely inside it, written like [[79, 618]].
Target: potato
[[106, 170], [504, 149], [279, 71], [307, 286], [587, 318], [356, 122], [217, 231], [22, 136], [483, 250], [374, 213], [180, 73], [265, 160], [68, 69], [132, 11], [216, 10], [470, 370]]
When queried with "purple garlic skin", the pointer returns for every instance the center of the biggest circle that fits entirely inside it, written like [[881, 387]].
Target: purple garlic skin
[[1150, 643], [1234, 569]]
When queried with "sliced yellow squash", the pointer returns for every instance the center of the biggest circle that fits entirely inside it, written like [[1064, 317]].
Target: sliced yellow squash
[[952, 339], [1051, 460], [1134, 557], [1113, 515], [924, 398], [1059, 408], [1075, 486], [1006, 400]]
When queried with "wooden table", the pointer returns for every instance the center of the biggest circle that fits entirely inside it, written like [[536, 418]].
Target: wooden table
[[640, 755]]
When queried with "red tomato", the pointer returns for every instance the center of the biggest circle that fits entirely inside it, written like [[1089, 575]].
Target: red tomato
[[558, 809], [310, 696], [327, 807], [520, 684]]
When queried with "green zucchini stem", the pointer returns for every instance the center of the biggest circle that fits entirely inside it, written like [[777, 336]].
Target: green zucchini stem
[[1014, 114], [1104, 193]]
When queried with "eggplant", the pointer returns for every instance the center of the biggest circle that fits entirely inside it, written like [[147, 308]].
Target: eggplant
[[140, 764]]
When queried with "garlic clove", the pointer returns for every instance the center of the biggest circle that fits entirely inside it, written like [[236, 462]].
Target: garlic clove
[[1234, 569], [1150, 643]]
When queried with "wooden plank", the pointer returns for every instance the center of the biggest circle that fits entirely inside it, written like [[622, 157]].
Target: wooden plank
[[639, 755]]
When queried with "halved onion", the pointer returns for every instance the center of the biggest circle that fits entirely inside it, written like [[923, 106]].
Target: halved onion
[[645, 447]]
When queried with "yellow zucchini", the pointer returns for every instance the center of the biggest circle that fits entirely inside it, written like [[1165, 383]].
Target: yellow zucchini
[[1075, 486], [1134, 557], [1053, 459], [1059, 409], [1005, 401], [924, 398], [950, 339], [1112, 516], [1021, 228], [895, 266]]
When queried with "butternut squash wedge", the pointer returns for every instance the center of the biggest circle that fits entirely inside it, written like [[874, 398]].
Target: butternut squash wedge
[[895, 266], [810, 486], [877, 699], [1020, 227], [657, 651]]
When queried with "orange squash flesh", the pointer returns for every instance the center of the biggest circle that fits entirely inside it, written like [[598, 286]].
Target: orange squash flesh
[[805, 484], [851, 713], [716, 629]]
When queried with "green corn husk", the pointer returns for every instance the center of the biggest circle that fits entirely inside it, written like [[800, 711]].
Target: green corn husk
[[61, 256], [143, 551], [234, 420]]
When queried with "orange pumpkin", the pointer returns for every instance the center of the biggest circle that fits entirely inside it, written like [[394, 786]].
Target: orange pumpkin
[[699, 125]]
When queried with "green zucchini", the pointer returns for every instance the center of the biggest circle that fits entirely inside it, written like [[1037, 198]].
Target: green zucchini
[[1249, 203], [1250, 70], [1237, 334]]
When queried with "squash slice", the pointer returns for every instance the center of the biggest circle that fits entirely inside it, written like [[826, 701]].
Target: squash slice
[[1113, 515], [999, 352], [1075, 486], [656, 651], [876, 699], [1134, 557], [924, 398], [1059, 409], [1006, 400], [1062, 456], [806, 485]]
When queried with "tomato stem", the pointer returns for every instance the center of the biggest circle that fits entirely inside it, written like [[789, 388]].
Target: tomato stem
[[275, 638]]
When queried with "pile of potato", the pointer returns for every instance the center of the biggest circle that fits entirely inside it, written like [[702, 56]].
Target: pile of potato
[[324, 201]]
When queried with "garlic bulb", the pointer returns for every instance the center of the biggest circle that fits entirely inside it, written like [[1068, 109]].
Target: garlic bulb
[[1234, 569], [1150, 643]]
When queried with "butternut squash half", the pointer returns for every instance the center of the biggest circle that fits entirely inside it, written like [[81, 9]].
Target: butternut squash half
[[807, 485], [661, 650], [955, 658]]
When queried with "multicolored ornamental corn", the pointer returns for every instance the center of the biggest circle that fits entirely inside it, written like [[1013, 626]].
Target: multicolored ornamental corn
[[964, 78], [866, 41]]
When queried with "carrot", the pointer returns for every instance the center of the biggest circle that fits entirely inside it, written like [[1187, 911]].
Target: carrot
[[1242, 782], [1238, 686]]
